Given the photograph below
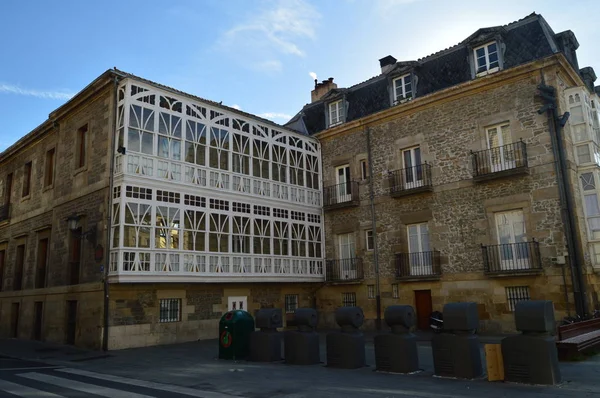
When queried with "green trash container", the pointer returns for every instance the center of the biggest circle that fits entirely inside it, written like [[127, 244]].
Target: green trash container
[[234, 334]]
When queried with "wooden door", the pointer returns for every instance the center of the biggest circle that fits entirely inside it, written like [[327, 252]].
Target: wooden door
[[424, 308], [71, 328], [37, 322]]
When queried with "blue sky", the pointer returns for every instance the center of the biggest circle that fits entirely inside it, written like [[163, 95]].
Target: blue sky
[[256, 55]]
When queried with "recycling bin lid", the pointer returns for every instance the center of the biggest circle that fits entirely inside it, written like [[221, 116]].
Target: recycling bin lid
[[236, 315]]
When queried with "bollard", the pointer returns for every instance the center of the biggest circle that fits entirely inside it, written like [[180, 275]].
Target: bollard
[[265, 345], [456, 351], [397, 351], [346, 348], [302, 346], [532, 357]]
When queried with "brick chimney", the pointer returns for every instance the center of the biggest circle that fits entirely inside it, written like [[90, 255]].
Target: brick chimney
[[321, 89], [387, 63]]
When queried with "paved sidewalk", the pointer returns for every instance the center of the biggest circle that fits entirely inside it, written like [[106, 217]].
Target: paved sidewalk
[[195, 365]]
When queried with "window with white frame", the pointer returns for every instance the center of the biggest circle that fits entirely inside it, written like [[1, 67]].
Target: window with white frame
[[336, 113], [140, 135], [279, 163], [169, 136], [298, 240], [262, 236], [195, 143], [583, 154], [314, 241], [241, 154], [219, 148], [280, 238], [486, 59], [592, 207], [402, 88], [312, 171], [137, 228], [371, 291], [395, 291], [364, 169], [166, 233], [218, 238], [369, 239], [240, 239], [194, 233]]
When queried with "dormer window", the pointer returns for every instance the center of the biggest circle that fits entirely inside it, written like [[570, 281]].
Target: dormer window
[[336, 113], [486, 59], [402, 89]]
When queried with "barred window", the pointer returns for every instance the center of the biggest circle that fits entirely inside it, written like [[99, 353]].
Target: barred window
[[166, 196], [395, 292], [371, 291], [241, 207], [170, 310], [280, 213], [514, 294], [291, 303], [262, 210], [348, 299], [219, 204], [297, 215], [193, 200], [138, 193]]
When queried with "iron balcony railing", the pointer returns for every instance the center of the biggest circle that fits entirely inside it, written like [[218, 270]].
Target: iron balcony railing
[[512, 258], [4, 212], [344, 270], [499, 159], [341, 195], [410, 179], [422, 265]]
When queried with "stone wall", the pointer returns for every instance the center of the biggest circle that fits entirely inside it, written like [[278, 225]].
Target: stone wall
[[459, 212], [81, 191], [135, 309]]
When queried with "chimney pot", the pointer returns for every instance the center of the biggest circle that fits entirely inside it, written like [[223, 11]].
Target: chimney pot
[[321, 89], [387, 63]]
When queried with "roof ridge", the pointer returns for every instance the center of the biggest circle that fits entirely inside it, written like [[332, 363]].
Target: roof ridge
[[461, 43]]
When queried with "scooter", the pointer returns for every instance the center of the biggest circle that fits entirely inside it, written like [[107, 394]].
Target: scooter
[[436, 321]]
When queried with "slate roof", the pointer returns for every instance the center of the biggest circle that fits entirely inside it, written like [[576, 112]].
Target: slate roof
[[525, 40]]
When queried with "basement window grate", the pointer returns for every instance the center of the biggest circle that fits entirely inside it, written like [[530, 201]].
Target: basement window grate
[[514, 294], [170, 310], [349, 299]]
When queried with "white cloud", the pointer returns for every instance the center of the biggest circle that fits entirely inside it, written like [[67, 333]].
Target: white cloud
[[275, 115], [236, 106], [55, 95], [313, 75], [277, 29]]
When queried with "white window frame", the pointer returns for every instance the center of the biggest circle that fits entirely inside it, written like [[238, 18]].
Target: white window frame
[[420, 264], [485, 47], [413, 173], [372, 243], [343, 183], [404, 94], [370, 292], [502, 158], [511, 257], [336, 106], [593, 191]]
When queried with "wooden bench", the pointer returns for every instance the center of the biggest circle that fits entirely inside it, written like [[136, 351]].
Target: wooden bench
[[577, 337]]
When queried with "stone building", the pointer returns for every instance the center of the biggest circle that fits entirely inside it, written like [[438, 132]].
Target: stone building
[[443, 182], [138, 214]]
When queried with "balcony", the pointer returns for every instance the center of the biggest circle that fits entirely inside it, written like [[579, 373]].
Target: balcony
[[341, 195], [512, 259], [4, 213], [418, 266], [344, 270], [410, 180], [500, 162]]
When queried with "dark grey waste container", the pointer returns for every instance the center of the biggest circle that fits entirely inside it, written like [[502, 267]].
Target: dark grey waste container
[[532, 357], [265, 344], [397, 351], [456, 351], [346, 348], [301, 347]]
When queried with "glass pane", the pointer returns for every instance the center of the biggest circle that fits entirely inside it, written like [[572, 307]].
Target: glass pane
[[492, 48], [587, 180], [576, 115], [506, 139], [591, 205], [147, 143], [493, 140], [133, 140]]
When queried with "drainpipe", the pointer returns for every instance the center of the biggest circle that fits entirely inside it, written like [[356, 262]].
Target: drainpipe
[[109, 213], [374, 228], [555, 127]]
